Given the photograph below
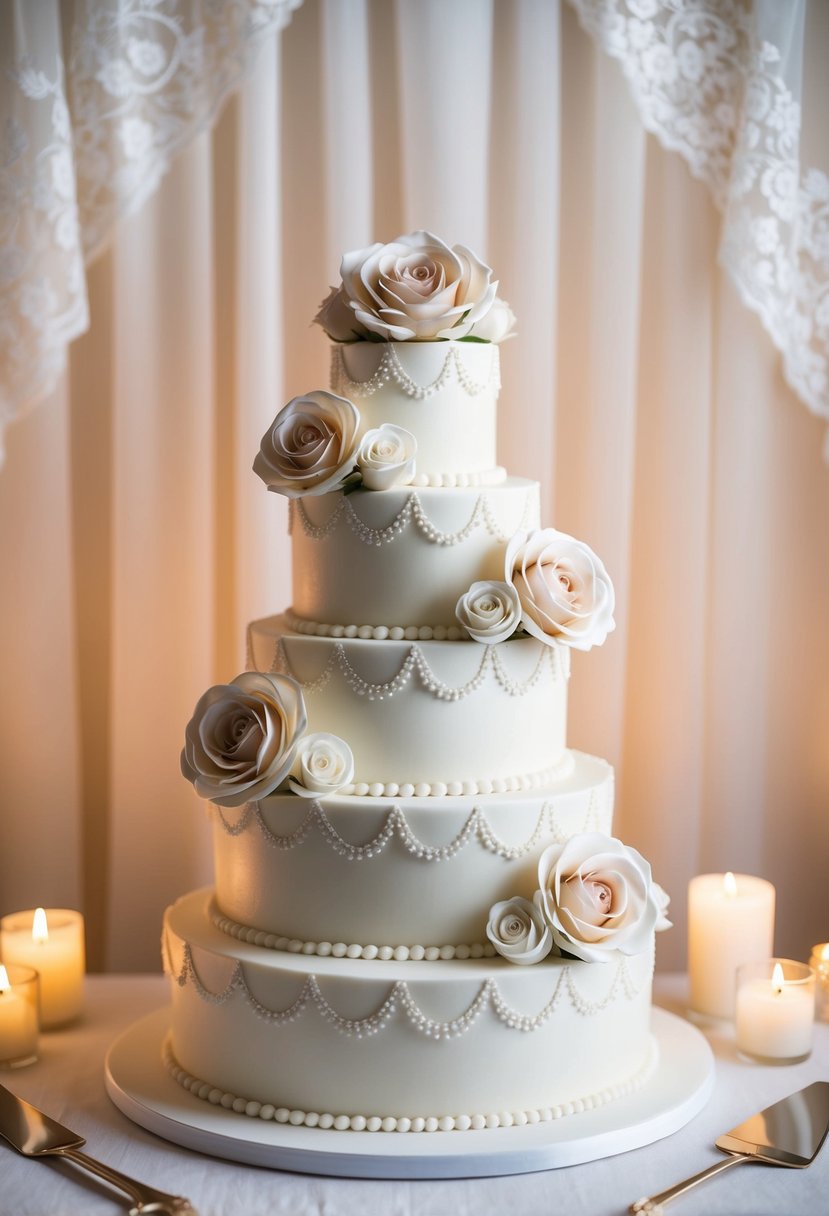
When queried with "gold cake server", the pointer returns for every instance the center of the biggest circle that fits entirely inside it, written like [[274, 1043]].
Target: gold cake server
[[788, 1133], [36, 1135]]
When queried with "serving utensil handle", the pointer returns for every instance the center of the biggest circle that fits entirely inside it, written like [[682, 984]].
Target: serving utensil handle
[[145, 1198], [655, 1204]]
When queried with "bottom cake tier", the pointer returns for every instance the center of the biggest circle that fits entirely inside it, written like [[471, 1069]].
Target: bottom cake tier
[[361, 1044]]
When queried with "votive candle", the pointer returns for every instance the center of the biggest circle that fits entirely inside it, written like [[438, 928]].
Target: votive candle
[[819, 962], [775, 1011], [730, 922], [51, 941], [18, 1015]]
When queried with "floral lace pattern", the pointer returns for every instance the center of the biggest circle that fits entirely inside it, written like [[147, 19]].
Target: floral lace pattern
[[708, 80], [87, 139]]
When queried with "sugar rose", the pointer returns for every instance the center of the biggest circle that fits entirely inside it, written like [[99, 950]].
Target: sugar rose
[[497, 325], [324, 764], [386, 457], [518, 931], [414, 289], [565, 592], [598, 896], [241, 742], [311, 446], [489, 611]]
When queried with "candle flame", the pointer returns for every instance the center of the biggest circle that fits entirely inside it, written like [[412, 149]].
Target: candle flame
[[824, 953], [729, 883], [40, 929], [778, 981], [5, 983]]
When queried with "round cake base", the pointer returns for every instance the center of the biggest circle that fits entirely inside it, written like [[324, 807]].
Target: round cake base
[[140, 1086]]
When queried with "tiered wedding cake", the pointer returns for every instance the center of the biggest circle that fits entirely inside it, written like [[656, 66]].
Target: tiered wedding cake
[[420, 920]]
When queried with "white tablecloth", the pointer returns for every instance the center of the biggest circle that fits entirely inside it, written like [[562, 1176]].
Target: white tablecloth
[[67, 1082]]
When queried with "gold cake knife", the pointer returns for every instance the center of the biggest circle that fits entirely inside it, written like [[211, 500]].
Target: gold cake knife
[[36, 1135]]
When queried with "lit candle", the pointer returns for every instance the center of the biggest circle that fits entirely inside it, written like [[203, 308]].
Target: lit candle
[[53, 944], [819, 962], [730, 921], [775, 1011], [18, 1016]]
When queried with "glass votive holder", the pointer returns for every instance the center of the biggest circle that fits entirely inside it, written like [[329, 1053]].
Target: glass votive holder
[[775, 1011], [19, 1001], [819, 962]]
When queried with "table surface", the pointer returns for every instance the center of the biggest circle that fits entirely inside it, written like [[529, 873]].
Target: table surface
[[67, 1082]]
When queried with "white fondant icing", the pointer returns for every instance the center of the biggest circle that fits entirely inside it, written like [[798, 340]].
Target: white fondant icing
[[427, 713], [445, 393], [402, 555]]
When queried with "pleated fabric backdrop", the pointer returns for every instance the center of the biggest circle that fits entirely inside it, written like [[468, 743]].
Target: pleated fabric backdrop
[[135, 542]]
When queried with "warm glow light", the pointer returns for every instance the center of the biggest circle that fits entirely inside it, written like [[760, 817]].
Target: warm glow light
[[729, 883], [778, 981], [5, 985], [824, 954], [40, 930]]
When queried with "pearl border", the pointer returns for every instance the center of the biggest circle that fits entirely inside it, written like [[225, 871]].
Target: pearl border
[[267, 1111], [377, 633]]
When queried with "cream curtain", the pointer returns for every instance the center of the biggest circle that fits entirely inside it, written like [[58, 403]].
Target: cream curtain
[[135, 543]]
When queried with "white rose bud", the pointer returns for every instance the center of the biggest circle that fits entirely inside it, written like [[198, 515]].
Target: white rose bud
[[337, 319], [597, 896], [324, 764], [386, 457], [241, 742], [311, 446], [518, 931], [565, 592], [489, 611], [497, 325], [417, 288]]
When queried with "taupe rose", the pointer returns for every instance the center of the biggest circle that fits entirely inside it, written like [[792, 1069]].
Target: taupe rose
[[311, 446], [414, 289], [598, 896], [386, 457], [324, 764], [489, 611], [518, 931], [565, 592], [241, 742]]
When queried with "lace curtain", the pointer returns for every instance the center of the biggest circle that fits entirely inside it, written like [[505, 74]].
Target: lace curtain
[[96, 97]]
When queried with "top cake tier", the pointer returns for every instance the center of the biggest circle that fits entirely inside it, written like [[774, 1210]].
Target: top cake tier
[[444, 393]]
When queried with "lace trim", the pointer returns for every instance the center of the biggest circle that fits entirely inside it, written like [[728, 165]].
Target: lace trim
[[396, 827], [411, 513], [710, 86], [393, 1123], [390, 369], [415, 664], [400, 1002]]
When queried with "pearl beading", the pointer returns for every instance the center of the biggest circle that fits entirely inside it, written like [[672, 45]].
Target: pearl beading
[[399, 1000], [552, 656], [395, 826], [390, 369], [378, 633], [255, 1109], [411, 513], [386, 953]]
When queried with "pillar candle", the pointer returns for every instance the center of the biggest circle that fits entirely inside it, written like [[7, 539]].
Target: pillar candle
[[52, 943], [730, 922]]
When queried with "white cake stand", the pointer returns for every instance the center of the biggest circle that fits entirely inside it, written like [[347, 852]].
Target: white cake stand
[[141, 1087]]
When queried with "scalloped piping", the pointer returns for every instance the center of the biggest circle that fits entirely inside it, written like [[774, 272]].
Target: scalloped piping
[[476, 827], [411, 512], [390, 369], [400, 954], [399, 1001], [377, 633], [417, 1123], [554, 656]]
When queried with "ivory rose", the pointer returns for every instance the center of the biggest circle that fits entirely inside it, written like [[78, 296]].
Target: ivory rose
[[386, 457], [518, 931], [565, 592], [324, 764], [311, 446], [497, 325], [415, 288], [489, 611], [598, 896], [241, 742]]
